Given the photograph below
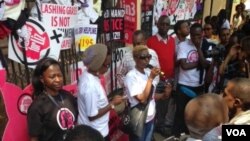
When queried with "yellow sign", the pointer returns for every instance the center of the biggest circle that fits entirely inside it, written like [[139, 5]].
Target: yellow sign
[[85, 42]]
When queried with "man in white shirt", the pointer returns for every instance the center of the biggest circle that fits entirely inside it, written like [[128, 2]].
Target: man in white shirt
[[192, 66]]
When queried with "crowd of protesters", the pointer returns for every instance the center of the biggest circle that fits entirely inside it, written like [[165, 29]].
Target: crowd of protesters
[[193, 81]]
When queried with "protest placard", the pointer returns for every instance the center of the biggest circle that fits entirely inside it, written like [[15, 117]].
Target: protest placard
[[61, 17]]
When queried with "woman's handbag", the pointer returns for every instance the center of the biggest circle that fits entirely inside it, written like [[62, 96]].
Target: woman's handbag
[[133, 119]]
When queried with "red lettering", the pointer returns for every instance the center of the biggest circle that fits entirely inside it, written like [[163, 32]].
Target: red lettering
[[117, 24], [55, 9], [66, 44], [64, 21], [106, 25], [53, 21]]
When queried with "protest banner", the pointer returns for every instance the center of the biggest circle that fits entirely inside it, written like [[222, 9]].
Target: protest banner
[[116, 63], [61, 17], [113, 24], [40, 42], [130, 18], [176, 10], [147, 16], [85, 36]]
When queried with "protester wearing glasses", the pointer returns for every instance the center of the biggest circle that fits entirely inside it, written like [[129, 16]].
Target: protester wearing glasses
[[128, 62], [138, 84], [208, 33], [92, 99]]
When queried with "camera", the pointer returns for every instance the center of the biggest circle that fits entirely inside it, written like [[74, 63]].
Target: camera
[[160, 88], [217, 53], [169, 81]]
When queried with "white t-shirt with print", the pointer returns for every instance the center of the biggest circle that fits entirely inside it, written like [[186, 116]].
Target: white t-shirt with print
[[189, 52], [135, 83], [90, 99]]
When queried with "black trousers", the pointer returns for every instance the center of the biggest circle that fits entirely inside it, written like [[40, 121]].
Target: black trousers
[[181, 100], [107, 138]]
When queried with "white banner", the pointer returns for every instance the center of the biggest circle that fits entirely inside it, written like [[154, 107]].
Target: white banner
[[116, 60], [176, 10], [40, 41], [61, 17]]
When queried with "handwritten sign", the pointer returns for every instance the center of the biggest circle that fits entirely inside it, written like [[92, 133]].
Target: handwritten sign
[[61, 17]]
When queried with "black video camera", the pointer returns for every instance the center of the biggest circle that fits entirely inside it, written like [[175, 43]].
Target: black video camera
[[160, 88], [217, 53]]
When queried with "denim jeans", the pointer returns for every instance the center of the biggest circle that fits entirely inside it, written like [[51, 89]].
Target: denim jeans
[[147, 132]]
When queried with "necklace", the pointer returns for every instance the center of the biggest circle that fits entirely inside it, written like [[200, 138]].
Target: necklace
[[54, 101]]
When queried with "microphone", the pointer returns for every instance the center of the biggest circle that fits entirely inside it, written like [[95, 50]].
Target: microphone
[[150, 67]]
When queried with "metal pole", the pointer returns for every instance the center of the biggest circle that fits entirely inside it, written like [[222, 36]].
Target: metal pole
[[111, 46], [211, 7], [25, 61], [63, 67]]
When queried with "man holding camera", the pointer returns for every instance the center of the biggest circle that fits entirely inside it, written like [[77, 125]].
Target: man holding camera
[[218, 55]]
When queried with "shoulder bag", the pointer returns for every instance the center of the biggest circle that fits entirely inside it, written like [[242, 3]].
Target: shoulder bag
[[133, 118]]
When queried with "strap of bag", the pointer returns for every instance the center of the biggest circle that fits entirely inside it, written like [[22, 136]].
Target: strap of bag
[[150, 94], [149, 97], [128, 108], [53, 100], [60, 106]]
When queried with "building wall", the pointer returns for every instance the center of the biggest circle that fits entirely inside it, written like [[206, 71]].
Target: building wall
[[235, 2], [213, 10]]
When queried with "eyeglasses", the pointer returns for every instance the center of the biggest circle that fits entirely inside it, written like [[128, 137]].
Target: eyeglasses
[[145, 56]]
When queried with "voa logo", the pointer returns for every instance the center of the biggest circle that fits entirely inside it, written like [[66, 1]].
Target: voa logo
[[236, 132]]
